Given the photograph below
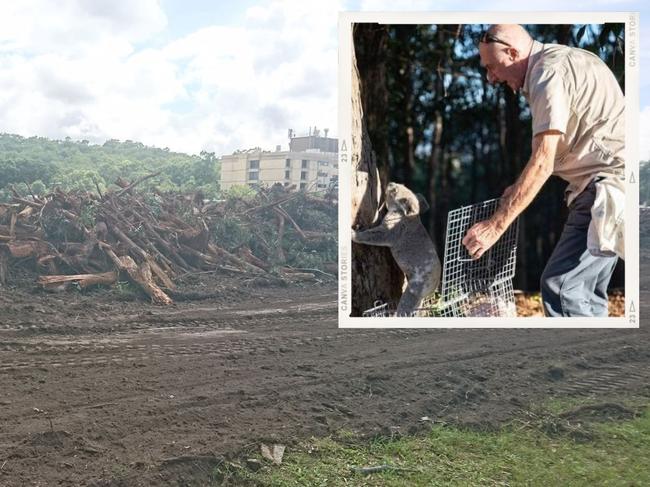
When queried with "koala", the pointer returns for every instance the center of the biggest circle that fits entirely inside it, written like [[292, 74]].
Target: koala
[[402, 231]]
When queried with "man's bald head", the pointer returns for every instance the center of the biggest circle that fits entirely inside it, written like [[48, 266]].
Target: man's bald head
[[513, 34], [504, 52]]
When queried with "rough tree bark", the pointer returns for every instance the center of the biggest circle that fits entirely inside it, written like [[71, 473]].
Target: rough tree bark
[[375, 275], [370, 44]]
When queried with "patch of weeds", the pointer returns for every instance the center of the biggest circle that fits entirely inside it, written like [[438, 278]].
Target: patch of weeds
[[231, 473], [542, 448], [577, 417], [126, 291]]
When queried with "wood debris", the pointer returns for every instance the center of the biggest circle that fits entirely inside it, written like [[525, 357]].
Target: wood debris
[[151, 238]]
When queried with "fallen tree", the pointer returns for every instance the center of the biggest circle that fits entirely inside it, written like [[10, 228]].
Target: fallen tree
[[152, 238]]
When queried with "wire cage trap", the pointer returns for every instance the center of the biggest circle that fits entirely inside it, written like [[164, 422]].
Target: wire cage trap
[[470, 288], [481, 287], [379, 310]]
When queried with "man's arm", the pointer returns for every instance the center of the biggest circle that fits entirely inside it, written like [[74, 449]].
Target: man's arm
[[531, 180], [485, 234]]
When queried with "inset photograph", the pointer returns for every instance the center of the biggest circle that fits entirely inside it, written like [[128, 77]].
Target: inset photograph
[[490, 172]]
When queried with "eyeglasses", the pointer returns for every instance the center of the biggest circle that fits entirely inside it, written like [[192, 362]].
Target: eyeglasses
[[491, 38]]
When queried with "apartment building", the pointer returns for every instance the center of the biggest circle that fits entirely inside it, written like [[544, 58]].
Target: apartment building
[[310, 164]]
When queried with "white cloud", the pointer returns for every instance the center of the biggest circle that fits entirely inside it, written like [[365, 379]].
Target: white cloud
[[251, 83], [406, 6], [73, 26], [105, 69], [92, 97], [70, 68], [82, 74]]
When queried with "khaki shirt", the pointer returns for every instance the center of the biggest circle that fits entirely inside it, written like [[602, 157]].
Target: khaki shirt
[[571, 90]]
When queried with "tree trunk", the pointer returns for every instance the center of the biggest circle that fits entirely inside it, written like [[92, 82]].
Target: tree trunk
[[141, 275], [375, 276], [435, 163], [82, 280], [282, 259], [370, 43], [4, 268]]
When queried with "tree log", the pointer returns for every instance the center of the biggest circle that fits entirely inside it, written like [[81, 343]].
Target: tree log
[[4, 268], [23, 201], [48, 262], [167, 248], [132, 246], [246, 254], [12, 225], [160, 273], [298, 276], [141, 275], [6, 208], [280, 251], [27, 248], [269, 205], [135, 183], [83, 280], [234, 259], [20, 232], [197, 238], [26, 212], [200, 256]]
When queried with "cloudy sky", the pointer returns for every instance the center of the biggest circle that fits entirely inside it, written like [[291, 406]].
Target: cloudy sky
[[196, 75]]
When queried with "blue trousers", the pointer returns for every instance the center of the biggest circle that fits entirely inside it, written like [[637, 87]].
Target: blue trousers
[[574, 282]]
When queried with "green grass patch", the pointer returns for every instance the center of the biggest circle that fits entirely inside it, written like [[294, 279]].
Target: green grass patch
[[587, 444], [561, 405]]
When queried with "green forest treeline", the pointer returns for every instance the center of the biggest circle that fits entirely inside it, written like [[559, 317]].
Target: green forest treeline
[[44, 164], [40, 164]]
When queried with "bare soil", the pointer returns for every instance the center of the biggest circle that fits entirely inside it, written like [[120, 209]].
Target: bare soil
[[102, 389]]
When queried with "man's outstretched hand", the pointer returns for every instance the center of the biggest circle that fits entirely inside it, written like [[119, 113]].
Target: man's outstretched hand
[[480, 237]]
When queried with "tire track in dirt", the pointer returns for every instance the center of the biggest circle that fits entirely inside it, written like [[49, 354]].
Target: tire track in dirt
[[217, 378], [256, 315], [74, 345], [120, 352], [411, 360], [322, 380], [604, 382]]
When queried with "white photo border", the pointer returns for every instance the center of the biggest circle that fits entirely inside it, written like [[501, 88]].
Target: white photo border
[[632, 303]]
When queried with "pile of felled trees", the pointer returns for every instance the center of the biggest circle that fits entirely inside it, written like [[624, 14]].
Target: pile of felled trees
[[150, 238]]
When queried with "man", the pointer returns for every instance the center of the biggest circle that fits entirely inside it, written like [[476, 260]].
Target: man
[[578, 134]]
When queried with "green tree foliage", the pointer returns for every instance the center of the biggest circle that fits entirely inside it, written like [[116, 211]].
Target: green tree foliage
[[258, 230], [244, 192], [44, 164]]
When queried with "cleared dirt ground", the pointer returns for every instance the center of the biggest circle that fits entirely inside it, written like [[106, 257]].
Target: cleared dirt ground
[[99, 391]]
